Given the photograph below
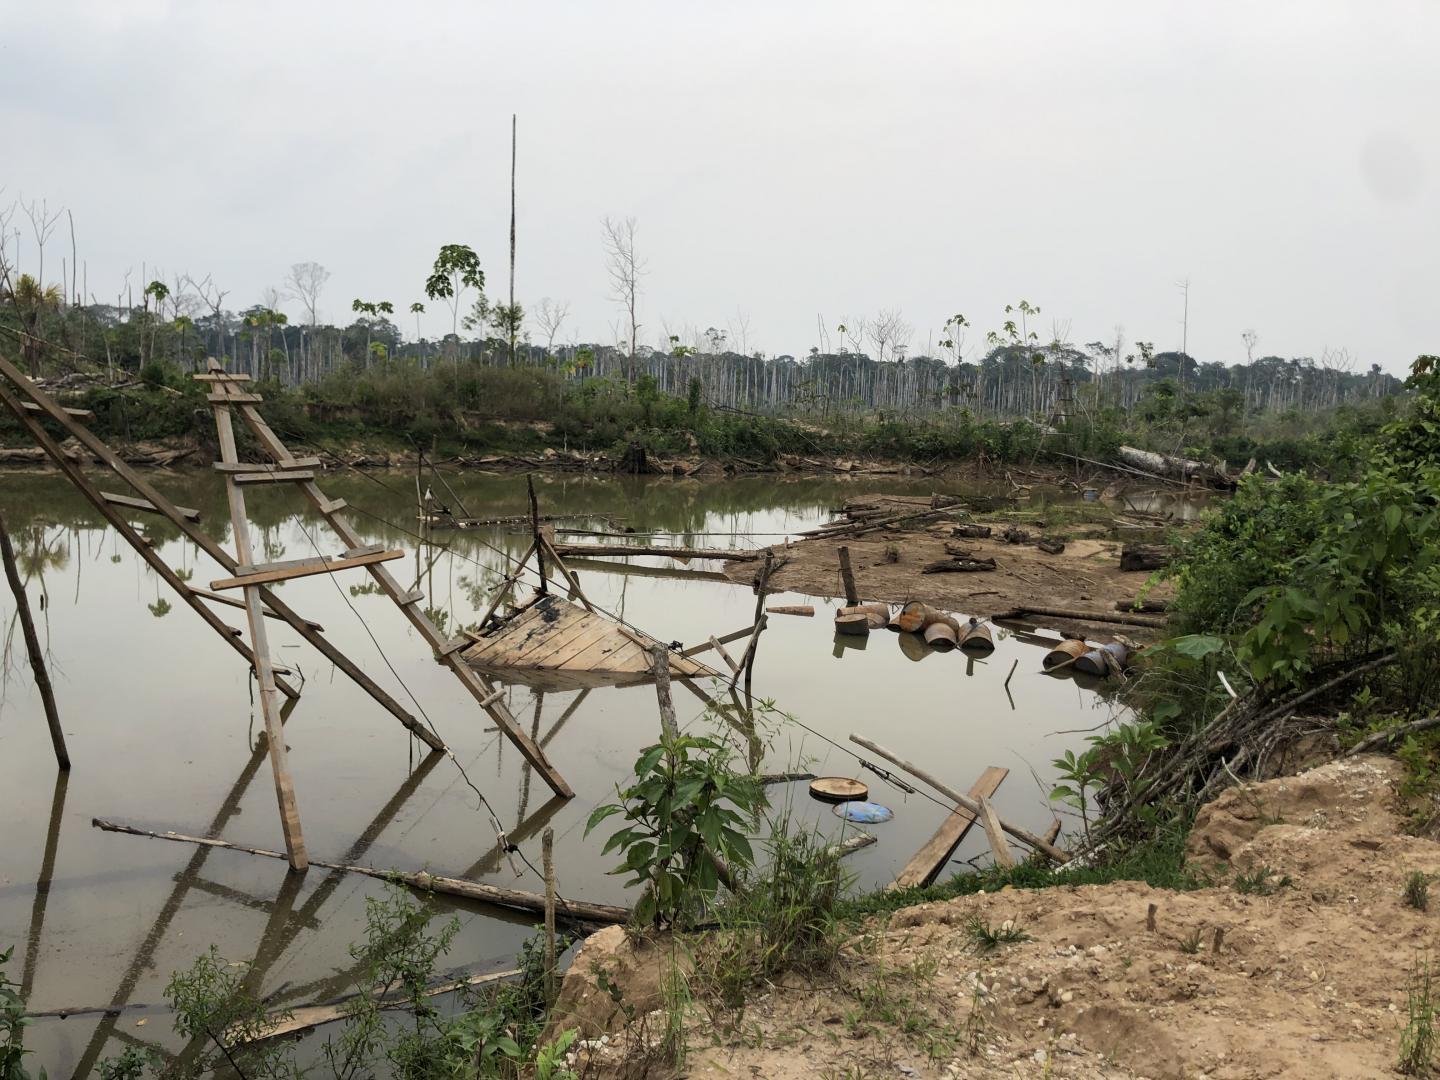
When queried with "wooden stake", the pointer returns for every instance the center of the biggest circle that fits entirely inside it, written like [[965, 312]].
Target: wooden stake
[[660, 665], [547, 850], [535, 530], [729, 662], [1023, 835], [847, 577], [1150, 918], [999, 849], [32, 646]]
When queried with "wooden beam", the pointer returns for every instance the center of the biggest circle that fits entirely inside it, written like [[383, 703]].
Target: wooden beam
[[253, 467], [275, 477], [729, 661], [925, 866], [234, 399], [999, 849], [317, 560], [648, 549], [329, 566], [132, 503], [736, 635], [571, 910], [221, 376], [230, 601], [78, 414]]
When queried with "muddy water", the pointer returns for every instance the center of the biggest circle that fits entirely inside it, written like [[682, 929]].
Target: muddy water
[[163, 732]]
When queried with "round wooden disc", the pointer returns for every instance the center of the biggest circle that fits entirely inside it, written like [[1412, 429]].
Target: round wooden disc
[[838, 789]]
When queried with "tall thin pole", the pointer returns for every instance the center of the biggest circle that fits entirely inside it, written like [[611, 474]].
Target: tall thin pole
[[32, 645], [513, 327]]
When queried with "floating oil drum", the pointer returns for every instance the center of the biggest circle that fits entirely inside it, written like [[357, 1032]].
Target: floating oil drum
[[914, 647], [858, 623], [976, 637], [1069, 649], [940, 635], [838, 789], [915, 616], [1094, 663]]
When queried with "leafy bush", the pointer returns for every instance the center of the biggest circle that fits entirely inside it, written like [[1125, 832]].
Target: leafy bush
[[686, 808]]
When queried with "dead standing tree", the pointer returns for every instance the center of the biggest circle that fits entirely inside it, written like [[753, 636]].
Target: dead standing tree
[[625, 270]]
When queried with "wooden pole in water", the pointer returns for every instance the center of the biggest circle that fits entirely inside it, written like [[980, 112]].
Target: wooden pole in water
[[535, 529], [847, 577], [547, 850], [1024, 835], [660, 665], [32, 646], [575, 910]]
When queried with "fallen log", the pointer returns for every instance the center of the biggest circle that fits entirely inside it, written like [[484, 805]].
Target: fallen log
[[958, 566], [574, 910], [1014, 535], [1081, 616], [585, 550], [1150, 606], [971, 532], [791, 609], [1175, 468], [852, 845], [1050, 547], [1038, 843], [1135, 557]]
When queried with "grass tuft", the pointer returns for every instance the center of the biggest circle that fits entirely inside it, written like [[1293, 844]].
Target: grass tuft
[[1417, 891], [1261, 882], [986, 937], [1417, 1041]]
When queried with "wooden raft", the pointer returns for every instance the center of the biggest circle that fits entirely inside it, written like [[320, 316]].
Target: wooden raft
[[554, 643]]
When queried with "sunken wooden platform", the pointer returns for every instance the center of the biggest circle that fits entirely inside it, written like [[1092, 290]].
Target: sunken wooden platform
[[555, 644]]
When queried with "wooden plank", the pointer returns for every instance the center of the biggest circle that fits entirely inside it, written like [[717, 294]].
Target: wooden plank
[[630, 659], [730, 663], [255, 467], [317, 560], [132, 503], [540, 638], [577, 636], [234, 399], [78, 414], [414, 596], [725, 640], [999, 847], [275, 477], [332, 506], [590, 658], [453, 645], [304, 571], [499, 641], [221, 377], [925, 865], [594, 632], [230, 601]]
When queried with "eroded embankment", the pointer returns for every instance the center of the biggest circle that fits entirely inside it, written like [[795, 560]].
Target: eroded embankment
[[1295, 964]]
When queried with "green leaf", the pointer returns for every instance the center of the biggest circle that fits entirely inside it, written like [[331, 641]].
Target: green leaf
[[1197, 646], [600, 813]]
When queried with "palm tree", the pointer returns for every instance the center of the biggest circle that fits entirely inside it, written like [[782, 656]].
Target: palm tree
[[31, 302]]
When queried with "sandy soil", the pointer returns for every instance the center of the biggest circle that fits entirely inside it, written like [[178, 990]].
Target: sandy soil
[[1085, 576], [1309, 980]]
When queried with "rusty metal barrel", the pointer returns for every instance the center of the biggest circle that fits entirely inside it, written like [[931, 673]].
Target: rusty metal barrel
[[1070, 649]]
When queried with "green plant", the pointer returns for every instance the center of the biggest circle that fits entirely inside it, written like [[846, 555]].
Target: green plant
[[215, 1007], [130, 1065], [1417, 890], [1261, 882], [685, 813], [550, 1058], [12, 1026], [1417, 1040], [1190, 943], [986, 937]]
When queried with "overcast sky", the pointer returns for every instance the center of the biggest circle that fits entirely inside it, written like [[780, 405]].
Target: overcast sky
[[786, 160]]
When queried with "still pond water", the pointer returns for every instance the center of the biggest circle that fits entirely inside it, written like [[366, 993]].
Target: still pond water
[[162, 730]]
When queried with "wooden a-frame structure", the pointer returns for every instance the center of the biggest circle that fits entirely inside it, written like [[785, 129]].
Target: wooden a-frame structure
[[229, 395]]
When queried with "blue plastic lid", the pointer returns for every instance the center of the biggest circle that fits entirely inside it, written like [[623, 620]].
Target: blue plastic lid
[[866, 813]]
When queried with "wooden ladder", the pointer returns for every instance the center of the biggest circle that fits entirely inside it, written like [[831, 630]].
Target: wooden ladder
[[227, 395]]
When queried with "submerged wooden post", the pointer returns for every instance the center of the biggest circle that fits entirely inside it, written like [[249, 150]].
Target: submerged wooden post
[[660, 664], [847, 578], [547, 850], [32, 646], [535, 530], [260, 646], [747, 664]]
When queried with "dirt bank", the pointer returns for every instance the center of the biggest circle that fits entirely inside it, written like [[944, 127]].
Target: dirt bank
[[889, 565], [1309, 980]]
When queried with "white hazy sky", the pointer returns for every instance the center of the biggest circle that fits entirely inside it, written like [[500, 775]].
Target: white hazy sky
[[784, 159]]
